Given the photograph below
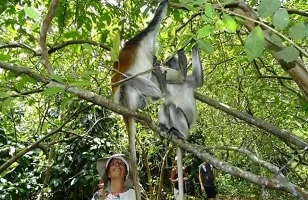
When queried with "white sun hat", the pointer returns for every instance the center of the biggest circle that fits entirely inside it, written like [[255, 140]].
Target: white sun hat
[[102, 165]]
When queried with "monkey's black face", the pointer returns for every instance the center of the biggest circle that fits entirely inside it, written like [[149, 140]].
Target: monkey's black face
[[178, 62]]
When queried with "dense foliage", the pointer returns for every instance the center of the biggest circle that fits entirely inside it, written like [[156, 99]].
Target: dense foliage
[[252, 109]]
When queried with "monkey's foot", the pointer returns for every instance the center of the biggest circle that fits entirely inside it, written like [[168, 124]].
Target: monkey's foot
[[174, 132]]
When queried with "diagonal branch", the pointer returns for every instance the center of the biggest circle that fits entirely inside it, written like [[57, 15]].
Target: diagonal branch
[[288, 137], [273, 168]]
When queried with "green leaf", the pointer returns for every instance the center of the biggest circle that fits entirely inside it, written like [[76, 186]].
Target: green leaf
[[290, 54], [205, 31], [81, 83], [32, 13], [57, 77], [229, 22], [5, 57], [28, 79], [276, 40], [71, 35], [255, 43], [219, 25], [176, 15], [52, 90], [7, 103], [103, 36], [299, 31], [268, 7], [228, 1], [281, 19], [206, 46], [2, 93], [192, 5], [115, 48], [209, 11]]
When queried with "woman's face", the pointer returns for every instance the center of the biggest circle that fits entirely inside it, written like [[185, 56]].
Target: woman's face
[[117, 169]]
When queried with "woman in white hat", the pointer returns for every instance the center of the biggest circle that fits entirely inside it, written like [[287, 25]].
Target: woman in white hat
[[116, 178]]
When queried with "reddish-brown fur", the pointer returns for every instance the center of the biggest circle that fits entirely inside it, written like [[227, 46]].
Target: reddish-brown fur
[[127, 57]]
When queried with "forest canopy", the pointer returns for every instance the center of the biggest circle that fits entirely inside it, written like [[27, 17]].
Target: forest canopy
[[58, 115]]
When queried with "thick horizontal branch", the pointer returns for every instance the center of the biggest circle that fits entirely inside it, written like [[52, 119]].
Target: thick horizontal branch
[[287, 137]]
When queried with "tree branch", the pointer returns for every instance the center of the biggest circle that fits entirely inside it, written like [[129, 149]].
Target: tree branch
[[43, 35], [288, 137], [22, 94], [297, 12], [273, 168], [71, 42], [18, 45]]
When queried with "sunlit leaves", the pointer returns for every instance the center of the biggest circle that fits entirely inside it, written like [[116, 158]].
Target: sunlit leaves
[[205, 31], [254, 44], [32, 13], [52, 90], [281, 19], [290, 54], [209, 12], [193, 5], [2, 92], [228, 1], [276, 40], [57, 77], [298, 31], [268, 7], [206, 46], [229, 22], [115, 48], [5, 56]]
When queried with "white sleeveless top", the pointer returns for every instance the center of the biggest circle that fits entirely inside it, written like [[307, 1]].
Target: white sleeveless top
[[128, 195]]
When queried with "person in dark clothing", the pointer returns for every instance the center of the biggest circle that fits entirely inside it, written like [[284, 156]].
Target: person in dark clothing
[[207, 180]]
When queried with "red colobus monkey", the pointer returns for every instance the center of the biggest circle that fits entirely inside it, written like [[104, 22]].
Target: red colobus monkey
[[178, 112], [135, 58]]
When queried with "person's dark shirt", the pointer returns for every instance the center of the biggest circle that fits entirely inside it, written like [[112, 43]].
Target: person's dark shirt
[[207, 175]]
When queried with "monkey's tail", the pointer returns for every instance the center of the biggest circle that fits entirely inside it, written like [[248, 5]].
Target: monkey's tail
[[153, 27], [197, 67], [159, 15], [131, 129], [180, 172]]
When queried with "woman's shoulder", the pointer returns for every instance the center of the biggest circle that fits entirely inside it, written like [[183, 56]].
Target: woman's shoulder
[[129, 194]]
